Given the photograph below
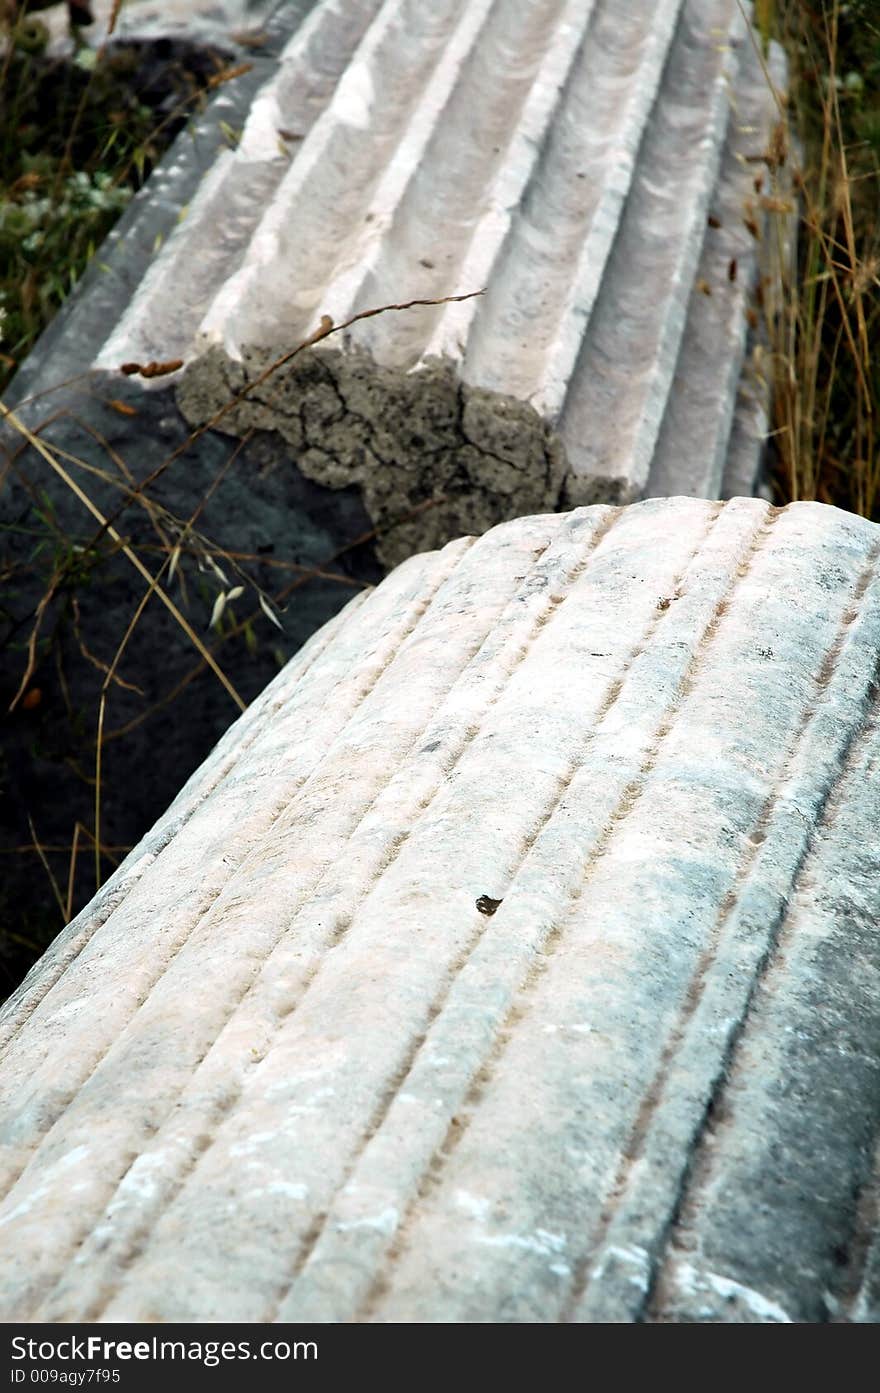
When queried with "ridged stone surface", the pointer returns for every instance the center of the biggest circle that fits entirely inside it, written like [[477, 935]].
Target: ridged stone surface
[[589, 165], [287, 1066]]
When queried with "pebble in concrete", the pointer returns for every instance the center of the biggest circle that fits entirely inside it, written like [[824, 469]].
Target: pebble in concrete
[[512, 958], [590, 166]]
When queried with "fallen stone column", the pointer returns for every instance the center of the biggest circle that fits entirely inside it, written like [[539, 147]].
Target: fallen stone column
[[589, 166], [512, 958]]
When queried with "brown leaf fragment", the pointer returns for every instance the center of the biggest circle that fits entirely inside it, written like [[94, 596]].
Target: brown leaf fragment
[[152, 369], [777, 205], [227, 74], [247, 38]]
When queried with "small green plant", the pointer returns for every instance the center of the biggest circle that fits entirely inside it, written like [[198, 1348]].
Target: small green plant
[[78, 138]]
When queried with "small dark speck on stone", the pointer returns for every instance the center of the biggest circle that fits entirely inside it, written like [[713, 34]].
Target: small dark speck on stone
[[486, 905]]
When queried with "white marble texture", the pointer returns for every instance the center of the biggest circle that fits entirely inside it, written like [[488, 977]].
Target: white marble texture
[[285, 1066]]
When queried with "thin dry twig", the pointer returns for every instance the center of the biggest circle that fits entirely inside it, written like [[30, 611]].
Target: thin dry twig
[[96, 662], [324, 330], [71, 872]]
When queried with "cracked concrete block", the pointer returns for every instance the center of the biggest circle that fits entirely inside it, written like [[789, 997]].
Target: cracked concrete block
[[512, 958], [588, 165]]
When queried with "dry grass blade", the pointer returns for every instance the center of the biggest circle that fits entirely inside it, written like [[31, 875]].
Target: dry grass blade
[[48, 869], [95, 661], [102, 706], [30, 665], [302, 579], [821, 317], [114, 15], [135, 560], [71, 873]]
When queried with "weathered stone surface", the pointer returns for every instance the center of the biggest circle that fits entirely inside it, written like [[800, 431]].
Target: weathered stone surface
[[565, 157], [717, 401], [570, 169], [512, 958]]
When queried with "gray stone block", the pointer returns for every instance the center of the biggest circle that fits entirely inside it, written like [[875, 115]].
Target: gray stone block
[[512, 958]]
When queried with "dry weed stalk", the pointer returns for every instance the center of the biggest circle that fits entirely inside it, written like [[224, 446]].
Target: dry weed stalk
[[185, 536], [821, 310]]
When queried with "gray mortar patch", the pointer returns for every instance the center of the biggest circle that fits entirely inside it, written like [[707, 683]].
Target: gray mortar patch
[[406, 439]]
